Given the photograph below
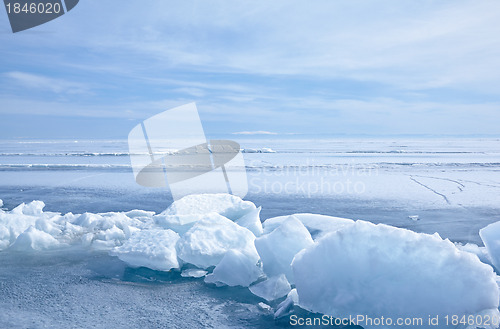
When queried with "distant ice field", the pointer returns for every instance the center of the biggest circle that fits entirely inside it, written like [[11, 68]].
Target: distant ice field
[[452, 185]]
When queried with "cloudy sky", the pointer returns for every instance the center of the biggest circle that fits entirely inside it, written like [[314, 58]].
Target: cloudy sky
[[276, 67]]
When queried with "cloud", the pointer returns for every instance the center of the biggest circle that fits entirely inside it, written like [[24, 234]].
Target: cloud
[[40, 82], [259, 132]]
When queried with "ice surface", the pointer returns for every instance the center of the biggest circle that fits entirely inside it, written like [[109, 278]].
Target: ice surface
[[150, 248], [206, 243], [315, 224], [491, 239], [379, 270], [278, 248], [272, 288], [235, 269]]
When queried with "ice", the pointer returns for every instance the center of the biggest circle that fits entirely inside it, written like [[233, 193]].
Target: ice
[[184, 213], [33, 208], [206, 243], [278, 248], [252, 221], [33, 239], [227, 205], [15, 222], [235, 269], [377, 270], [193, 273], [272, 288], [480, 252], [154, 249], [315, 224], [1, 203], [491, 239], [286, 306], [264, 306], [178, 223]]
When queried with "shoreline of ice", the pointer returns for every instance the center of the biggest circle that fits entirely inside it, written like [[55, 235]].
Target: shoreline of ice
[[355, 264]]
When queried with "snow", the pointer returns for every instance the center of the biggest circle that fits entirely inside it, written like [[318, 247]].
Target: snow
[[491, 239], [278, 248], [235, 269], [150, 248], [206, 243], [272, 288], [379, 270]]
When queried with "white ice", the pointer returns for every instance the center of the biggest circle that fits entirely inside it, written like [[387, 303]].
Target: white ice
[[379, 270], [150, 248]]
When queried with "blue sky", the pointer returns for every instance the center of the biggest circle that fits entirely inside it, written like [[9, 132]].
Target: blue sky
[[286, 67]]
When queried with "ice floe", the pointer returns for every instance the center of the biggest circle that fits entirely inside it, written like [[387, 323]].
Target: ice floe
[[379, 270]]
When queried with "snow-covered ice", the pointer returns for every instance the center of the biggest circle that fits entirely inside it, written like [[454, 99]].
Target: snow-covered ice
[[379, 270], [206, 243], [150, 248]]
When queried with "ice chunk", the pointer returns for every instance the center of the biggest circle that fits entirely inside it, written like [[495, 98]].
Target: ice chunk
[[33, 208], [278, 248], [235, 269], [272, 288], [378, 270], [206, 243], [480, 252], [252, 221], [33, 239], [264, 306], [315, 224], [178, 223], [227, 205], [1, 203], [491, 239], [193, 273], [154, 249], [286, 306]]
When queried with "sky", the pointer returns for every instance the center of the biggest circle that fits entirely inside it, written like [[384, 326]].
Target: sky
[[260, 68]]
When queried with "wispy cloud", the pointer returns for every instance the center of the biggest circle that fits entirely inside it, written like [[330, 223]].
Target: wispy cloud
[[259, 132], [40, 82]]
